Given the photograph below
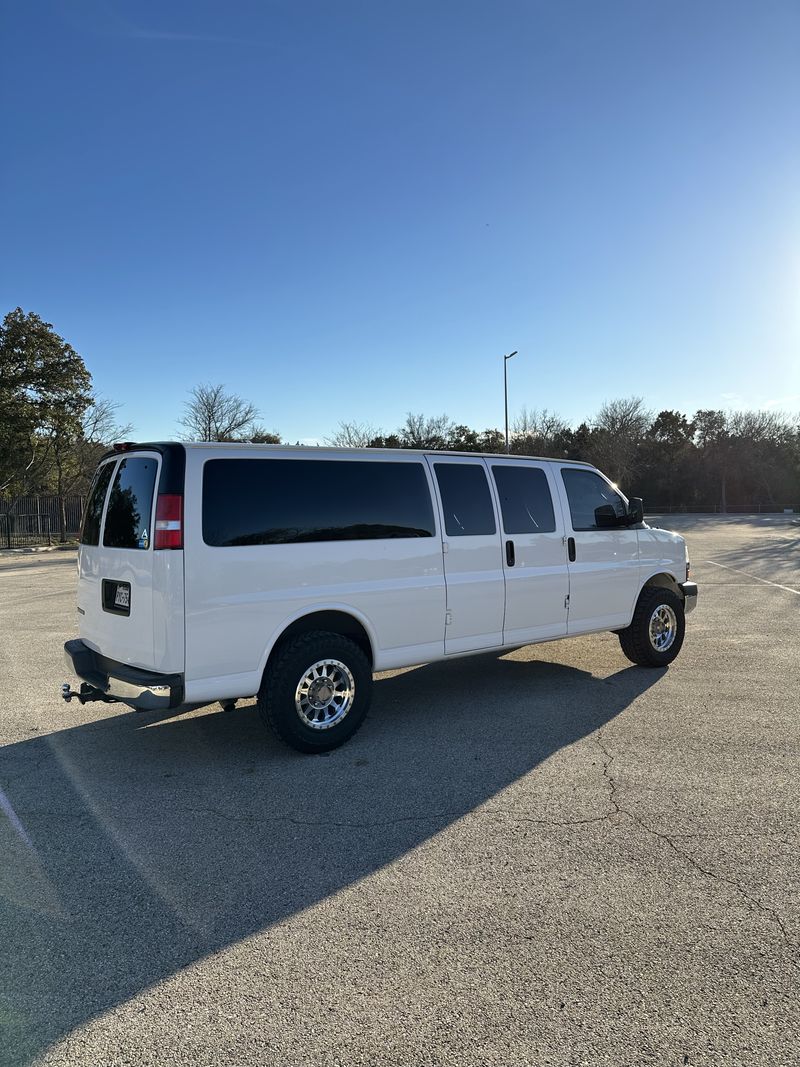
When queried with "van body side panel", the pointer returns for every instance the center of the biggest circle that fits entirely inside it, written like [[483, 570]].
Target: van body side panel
[[239, 599], [660, 552], [168, 603]]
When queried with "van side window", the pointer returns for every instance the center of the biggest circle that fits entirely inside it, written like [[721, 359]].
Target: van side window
[[130, 504], [525, 499], [585, 492], [287, 501], [466, 501], [90, 527]]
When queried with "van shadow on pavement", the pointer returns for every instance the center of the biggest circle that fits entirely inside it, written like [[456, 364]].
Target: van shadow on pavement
[[133, 847]]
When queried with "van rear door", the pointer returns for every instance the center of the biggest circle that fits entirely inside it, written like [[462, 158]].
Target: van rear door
[[130, 596]]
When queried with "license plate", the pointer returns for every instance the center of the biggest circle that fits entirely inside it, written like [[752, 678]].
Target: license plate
[[116, 597]]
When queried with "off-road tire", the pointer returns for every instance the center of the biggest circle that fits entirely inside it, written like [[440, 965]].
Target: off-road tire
[[635, 639], [276, 698]]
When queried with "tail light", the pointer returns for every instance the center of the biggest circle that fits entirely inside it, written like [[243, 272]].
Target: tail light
[[169, 521]]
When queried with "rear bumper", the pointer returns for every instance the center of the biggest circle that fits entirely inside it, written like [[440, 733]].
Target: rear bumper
[[138, 688], [689, 590]]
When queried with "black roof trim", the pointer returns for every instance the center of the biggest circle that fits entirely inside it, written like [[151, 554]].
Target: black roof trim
[[173, 461]]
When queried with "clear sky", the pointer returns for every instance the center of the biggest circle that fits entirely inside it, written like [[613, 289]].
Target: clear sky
[[349, 210]]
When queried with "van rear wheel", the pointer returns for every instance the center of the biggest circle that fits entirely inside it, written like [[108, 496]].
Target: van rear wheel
[[316, 692], [655, 635]]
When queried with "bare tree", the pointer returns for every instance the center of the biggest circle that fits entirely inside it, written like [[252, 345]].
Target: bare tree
[[100, 426], [421, 431], [618, 431], [211, 414], [354, 435], [535, 423], [75, 455], [539, 433]]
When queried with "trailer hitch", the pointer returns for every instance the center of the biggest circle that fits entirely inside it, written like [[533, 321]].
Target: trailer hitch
[[85, 694]]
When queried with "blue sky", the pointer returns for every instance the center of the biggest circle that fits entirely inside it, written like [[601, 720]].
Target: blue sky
[[352, 210]]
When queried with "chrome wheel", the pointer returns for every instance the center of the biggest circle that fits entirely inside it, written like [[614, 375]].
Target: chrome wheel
[[325, 694], [663, 628]]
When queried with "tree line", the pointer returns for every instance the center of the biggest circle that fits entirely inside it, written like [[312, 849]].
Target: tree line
[[54, 426], [712, 458]]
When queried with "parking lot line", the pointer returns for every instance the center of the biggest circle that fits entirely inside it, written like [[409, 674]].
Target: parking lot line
[[747, 574]]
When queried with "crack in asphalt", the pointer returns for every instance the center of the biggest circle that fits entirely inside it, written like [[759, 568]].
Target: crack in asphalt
[[616, 809], [442, 816], [755, 903]]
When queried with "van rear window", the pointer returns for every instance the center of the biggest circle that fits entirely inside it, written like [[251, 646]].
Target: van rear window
[[128, 516], [92, 516], [287, 501]]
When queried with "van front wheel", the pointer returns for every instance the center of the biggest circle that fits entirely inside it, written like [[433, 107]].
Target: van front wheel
[[316, 692], [655, 635]]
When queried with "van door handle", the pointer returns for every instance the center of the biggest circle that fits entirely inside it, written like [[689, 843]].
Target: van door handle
[[510, 553], [571, 549]]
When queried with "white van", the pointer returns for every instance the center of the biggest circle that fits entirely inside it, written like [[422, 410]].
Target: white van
[[215, 572]]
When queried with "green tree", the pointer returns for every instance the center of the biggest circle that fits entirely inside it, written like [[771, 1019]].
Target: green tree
[[45, 390], [578, 442], [669, 460], [492, 440], [714, 445], [463, 439]]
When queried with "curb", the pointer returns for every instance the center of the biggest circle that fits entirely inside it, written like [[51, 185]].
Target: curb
[[37, 548]]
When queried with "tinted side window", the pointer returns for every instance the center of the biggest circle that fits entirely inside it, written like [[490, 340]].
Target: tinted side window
[[130, 504], [466, 501], [286, 501], [525, 499], [587, 491], [90, 528]]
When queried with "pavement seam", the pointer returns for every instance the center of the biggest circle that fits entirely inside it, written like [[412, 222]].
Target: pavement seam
[[754, 902]]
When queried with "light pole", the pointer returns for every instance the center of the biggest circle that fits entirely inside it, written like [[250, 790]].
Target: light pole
[[505, 387]]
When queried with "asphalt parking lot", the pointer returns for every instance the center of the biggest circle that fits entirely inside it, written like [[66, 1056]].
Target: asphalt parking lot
[[549, 857]]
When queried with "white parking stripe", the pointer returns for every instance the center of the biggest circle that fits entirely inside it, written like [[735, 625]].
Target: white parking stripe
[[785, 588]]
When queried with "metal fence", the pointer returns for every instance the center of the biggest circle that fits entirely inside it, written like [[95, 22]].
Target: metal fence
[[26, 521]]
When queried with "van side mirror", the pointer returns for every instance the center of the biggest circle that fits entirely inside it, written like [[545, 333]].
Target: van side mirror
[[605, 517], [635, 510]]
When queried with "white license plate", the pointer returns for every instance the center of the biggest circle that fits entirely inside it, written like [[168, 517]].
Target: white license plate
[[122, 598]]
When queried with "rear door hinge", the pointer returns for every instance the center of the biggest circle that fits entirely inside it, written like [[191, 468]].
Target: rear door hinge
[[448, 618], [566, 601]]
